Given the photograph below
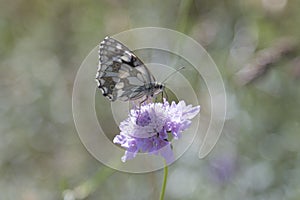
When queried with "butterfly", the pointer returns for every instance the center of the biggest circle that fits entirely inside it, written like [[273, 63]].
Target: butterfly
[[121, 75]]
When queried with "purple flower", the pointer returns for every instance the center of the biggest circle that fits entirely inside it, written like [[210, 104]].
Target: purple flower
[[146, 129]]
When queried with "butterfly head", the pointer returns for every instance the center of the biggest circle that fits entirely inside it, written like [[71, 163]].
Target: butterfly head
[[158, 88]]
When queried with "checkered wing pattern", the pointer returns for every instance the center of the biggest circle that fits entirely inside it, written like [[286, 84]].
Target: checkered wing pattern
[[121, 74]]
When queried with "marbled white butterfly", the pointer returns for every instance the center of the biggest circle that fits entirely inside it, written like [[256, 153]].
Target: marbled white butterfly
[[122, 75]]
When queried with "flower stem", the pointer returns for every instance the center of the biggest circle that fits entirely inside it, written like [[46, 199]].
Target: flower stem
[[163, 187]]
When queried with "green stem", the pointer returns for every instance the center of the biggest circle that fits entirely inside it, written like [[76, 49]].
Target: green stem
[[163, 187], [91, 185], [183, 15]]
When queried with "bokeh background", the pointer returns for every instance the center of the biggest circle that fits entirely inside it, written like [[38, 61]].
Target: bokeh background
[[253, 42]]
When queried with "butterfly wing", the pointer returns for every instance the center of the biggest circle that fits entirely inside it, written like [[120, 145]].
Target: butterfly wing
[[121, 74]]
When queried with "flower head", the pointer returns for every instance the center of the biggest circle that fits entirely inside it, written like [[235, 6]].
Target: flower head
[[146, 129]]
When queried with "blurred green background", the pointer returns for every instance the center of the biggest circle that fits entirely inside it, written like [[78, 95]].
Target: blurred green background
[[253, 42]]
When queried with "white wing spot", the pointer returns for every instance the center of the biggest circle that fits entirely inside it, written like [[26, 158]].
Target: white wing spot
[[116, 79], [104, 90], [123, 74], [126, 58], [119, 85], [98, 82], [120, 93], [118, 46]]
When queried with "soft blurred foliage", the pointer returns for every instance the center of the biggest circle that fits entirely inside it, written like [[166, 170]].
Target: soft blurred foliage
[[253, 42]]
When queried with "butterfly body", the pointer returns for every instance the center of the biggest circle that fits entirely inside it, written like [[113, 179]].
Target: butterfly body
[[122, 75]]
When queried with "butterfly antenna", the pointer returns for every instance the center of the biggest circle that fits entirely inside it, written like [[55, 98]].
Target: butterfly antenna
[[173, 74]]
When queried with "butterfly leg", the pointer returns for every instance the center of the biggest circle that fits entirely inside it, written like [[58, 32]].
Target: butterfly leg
[[164, 92]]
